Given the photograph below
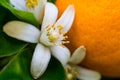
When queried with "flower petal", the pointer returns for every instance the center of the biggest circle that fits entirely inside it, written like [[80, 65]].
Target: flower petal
[[67, 18], [61, 53], [44, 38], [86, 74], [50, 15], [78, 55], [19, 4], [40, 60], [38, 10], [22, 31]]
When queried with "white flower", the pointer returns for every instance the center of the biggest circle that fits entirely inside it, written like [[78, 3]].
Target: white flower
[[34, 6], [75, 72], [50, 40]]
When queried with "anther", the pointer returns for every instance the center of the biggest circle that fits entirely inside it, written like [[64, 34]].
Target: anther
[[71, 73], [65, 37], [64, 42], [31, 3], [60, 27], [64, 33]]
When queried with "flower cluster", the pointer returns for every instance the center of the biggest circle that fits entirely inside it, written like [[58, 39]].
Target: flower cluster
[[75, 72], [50, 39]]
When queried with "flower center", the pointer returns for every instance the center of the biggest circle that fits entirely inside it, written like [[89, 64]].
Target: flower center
[[56, 36], [53, 36], [31, 3], [71, 73]]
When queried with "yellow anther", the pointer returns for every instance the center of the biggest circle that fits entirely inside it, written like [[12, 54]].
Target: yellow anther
[[55, 35], [31, 3], [47, 27], [60, 27], [65, 37], [64, 42], [69, 76], [71, 73], [64, 33]]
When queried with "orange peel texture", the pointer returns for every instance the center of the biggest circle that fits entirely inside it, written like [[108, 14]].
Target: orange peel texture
[[97, 26]]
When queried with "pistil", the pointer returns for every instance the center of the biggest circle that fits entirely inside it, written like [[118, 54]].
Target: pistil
[[56, 36]]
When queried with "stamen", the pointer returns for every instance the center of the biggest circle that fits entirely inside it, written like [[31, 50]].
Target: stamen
[[31, 3], [60, 27], [61, 45], [48, 28], [64, 42], [55, 35], [71, 73], [65, 37], [64, 33]]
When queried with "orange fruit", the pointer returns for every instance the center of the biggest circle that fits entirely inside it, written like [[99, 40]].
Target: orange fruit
[[97, 26]]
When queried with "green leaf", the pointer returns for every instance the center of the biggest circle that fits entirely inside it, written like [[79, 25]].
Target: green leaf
[[53, 1], [19, 69], [5, 16], [4, 61], [15, 63], [54, 71], [8, 46], [22, 15]]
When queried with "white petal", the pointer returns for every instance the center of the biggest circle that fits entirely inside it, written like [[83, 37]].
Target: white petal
[[22, 31], [40, 60], [67, 18], [61, 53], [44, 38], [38, 10], [19, 4], [78, 55], [86, 74], [50, 15]]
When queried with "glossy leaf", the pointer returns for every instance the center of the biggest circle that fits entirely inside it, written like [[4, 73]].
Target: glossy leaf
[[8, 46], [18, 69], [4, 61], [54, 71], [53, 1], [5, 16], [22, 15]]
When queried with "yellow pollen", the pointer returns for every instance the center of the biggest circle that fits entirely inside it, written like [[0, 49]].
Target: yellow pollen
[[64, 42], [64, 33], [65, 37], [53, 37], [71, 73], [31, 3], [69, 77], [60, 27]]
